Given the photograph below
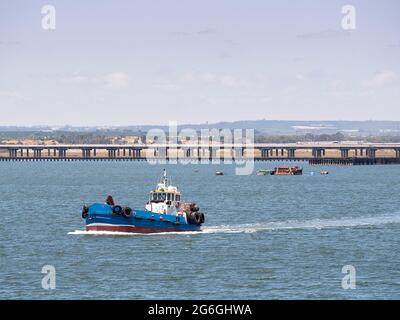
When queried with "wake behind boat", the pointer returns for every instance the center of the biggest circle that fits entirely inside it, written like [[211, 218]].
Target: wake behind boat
[[164, 212]]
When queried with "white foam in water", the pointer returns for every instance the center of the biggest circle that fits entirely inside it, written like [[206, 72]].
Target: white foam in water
[[271, 226], [117, 233]]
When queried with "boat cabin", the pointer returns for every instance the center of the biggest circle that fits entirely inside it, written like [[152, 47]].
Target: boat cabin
[[164, 195], [165, 198]]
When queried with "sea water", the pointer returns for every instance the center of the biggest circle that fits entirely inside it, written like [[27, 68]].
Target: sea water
[[265, 237]]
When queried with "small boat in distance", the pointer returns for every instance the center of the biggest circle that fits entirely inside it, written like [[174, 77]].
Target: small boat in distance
[[288, 171], [281, 171], [219, 173], [163, 212], [323, 172], [264, 172]]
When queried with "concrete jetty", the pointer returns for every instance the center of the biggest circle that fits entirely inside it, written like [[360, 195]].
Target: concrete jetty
[[329, 153]]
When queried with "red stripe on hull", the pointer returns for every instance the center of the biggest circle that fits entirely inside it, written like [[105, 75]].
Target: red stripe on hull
[[132, 229]]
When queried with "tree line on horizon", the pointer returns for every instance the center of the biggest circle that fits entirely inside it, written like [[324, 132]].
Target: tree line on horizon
[[110, 137]]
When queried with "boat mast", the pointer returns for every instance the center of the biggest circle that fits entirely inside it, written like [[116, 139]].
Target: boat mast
[[164, 179]]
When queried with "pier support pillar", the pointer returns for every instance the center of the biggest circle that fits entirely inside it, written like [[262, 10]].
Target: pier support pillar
[[344, 153], [265, 152], [136, 153], [86, 152], [291, 153], [13, 152], [166, 153], [371, 152], [238, 152], [318, 152], [37, 153], [111, 153], [212, 153], [62, 152]]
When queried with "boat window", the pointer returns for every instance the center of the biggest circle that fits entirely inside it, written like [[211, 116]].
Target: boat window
[[163, 196], [154, 196], [168, 196], [178, 197], [172, 197]]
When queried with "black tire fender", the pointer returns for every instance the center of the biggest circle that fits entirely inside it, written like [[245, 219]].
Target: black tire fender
[[194, 217], [202, 218], [117, 210], [85, 212], [127, 212]]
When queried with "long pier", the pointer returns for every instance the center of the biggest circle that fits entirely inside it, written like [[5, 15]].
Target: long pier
[[314, 153]]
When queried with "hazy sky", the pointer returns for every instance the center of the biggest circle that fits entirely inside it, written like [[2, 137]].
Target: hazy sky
[[148, 62]]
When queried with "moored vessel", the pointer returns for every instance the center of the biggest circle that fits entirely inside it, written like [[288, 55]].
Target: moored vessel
[[288, 171], [264, 172], [281, 171]]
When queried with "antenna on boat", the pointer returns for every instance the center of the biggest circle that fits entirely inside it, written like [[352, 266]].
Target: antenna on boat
[[165, 179]]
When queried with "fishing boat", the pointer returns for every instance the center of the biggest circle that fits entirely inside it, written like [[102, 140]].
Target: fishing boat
[[163, 212]]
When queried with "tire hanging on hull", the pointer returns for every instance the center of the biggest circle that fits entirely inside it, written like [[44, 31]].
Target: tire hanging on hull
[[127, 212]]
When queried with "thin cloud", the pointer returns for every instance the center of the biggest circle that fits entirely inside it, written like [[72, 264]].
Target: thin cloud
[[77, 79], [231, 42], [116, 80], [224, 56], [326, 34], [181, 34], [11, 96], [394, 45], [210, 78], [166, 86], [8, 43], [207, 31], [202, 32], [381, 79], [112, 80]]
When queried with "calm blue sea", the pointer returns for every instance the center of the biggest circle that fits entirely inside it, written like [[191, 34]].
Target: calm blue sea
[[265, 237]]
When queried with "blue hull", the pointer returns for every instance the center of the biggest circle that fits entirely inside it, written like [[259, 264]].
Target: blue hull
[[101, 218]]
